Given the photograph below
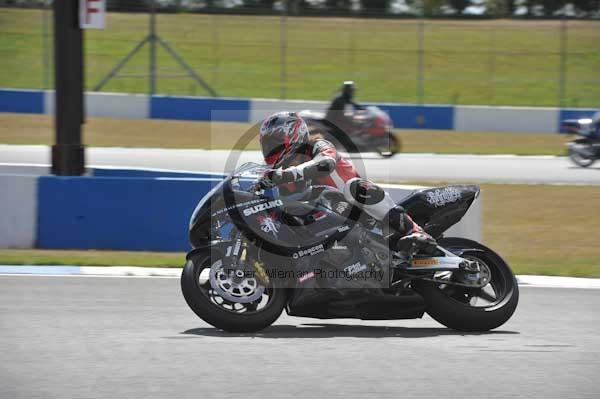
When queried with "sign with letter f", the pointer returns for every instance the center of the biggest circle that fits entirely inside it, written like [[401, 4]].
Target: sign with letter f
[[92, 14]]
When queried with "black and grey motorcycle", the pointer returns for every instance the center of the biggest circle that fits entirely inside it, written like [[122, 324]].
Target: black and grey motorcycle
[[584, 150], [256, 253]]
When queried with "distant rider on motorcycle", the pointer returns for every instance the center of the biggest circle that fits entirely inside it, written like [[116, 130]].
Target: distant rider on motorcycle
[[342, 105], [298, 160], [595, 127]]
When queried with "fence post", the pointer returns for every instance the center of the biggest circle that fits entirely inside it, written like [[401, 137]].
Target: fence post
[[215, 42], [45, 47], [420, 71], [492, 64], [562, 87], [352, 61], [152, 43], [283, 51]]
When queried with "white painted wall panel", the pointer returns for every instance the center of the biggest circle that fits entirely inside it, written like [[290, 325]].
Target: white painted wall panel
[[470, 225], [112, 105], [24, 169], [506, 119], [18, 211], [261, 108]]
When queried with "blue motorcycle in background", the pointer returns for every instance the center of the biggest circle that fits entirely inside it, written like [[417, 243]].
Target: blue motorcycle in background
[[584, 150]]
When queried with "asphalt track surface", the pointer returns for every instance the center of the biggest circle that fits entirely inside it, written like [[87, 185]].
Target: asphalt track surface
[[402, 167], [90, 337]]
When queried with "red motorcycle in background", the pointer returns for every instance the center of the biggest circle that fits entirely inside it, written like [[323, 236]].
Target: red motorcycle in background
[[365, 130]]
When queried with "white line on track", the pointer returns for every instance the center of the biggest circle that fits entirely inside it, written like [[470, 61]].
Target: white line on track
[[156, 272]]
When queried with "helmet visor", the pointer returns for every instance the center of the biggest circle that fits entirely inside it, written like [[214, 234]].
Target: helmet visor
[[272, 147]]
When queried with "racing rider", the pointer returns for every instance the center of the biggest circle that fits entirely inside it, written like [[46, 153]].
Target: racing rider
[[341, 105], [299, 160], [345, 99]]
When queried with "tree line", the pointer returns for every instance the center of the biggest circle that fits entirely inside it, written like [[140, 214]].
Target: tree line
[[427, 8]]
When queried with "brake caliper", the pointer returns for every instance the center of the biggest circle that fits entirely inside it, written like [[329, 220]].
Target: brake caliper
[[261, 274]]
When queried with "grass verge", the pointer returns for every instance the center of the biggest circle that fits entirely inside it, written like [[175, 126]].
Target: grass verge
[[541, 229], [90, 258], [107, 132], [547, 230]]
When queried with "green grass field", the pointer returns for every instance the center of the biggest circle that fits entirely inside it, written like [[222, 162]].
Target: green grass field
[[536, 228], [107, 132], [501, 62]]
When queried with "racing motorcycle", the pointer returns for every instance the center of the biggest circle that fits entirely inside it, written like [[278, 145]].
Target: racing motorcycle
[[585, 149], [256, 253], [368, 130]]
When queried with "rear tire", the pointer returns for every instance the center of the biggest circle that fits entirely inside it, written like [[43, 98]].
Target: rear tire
[[461, 316], [227, 320], [395, 145]]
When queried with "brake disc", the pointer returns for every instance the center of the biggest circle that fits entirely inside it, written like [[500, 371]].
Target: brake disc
[[235, 284]]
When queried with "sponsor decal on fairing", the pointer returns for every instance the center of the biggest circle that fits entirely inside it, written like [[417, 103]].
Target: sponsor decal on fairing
[[229, 208], [269, 224], [306, 277], [355, 268], [309, 252], [262, 207], [443, 196]]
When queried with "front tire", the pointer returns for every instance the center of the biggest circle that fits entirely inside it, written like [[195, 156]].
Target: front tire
[[452, 306], [202, 299], [582, 153]]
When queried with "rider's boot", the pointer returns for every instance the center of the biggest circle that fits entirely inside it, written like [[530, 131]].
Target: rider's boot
[[405, 235]]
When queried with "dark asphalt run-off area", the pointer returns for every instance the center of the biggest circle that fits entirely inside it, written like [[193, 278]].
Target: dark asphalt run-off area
[[107, 337]]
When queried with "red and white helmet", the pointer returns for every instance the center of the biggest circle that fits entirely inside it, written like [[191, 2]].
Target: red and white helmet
[[282, 134]]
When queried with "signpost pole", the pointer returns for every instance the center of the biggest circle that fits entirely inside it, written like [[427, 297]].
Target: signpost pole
[[68, 151]]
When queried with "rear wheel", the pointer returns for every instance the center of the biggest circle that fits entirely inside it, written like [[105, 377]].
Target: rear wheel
[[227, 297], [469, 308], [393, 147]]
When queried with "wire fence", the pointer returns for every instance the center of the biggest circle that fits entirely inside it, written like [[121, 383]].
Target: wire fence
[[486, 62]]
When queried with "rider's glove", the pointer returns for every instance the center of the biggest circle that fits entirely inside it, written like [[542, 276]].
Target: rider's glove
[[279, 176]]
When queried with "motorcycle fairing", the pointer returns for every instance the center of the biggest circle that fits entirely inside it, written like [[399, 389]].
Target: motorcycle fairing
[[437, 209], [364, 305]]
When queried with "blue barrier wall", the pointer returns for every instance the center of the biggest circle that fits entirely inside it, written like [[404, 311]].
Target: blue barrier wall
[[420, 117], [121, 213], [199, 109], [117, 213], [104, 172], [23, 101], [576, 113], [407, 116]]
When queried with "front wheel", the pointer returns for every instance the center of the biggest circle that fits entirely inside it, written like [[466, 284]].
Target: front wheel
[[227, 297], [582, 153], [472, 309]]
